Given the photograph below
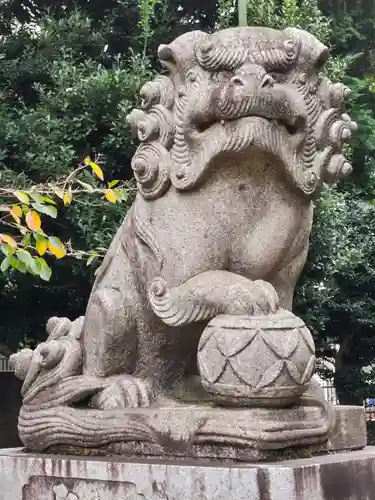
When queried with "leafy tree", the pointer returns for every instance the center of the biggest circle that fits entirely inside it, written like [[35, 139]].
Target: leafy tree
[[67, 80], [336, 295], [60, 104]]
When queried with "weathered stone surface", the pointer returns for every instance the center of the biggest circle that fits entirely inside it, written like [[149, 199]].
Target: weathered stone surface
[[349, 429], [237, 139], [346, 476]]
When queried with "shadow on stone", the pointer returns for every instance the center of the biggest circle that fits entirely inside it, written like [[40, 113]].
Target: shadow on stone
[[10, 404]]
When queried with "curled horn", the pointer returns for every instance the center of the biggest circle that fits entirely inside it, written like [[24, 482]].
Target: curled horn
[[334, 128], [271, 53], [158, 124], [159, 91], [333, 94], [337, 168], [151, 169], [133, 119], [339, 93]]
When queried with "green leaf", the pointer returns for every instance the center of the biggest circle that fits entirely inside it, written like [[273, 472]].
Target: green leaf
[[26, 240], [36, 266], [89, 188], [48, 200], [51, 211], [22, 197], [13, 262], [5, 264], [122, 194], [25, 257], [18, 264], [6, 249], [45, 271], [113, 184], [36, 197], [91, 259]]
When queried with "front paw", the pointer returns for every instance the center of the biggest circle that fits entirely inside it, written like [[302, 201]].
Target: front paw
[[266, 298], [257, 298], [124, 392]]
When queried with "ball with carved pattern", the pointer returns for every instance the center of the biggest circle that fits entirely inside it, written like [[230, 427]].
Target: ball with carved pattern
[[264, 361]]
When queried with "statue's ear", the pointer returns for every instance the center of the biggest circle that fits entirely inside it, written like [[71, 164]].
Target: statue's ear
[[167, 58]]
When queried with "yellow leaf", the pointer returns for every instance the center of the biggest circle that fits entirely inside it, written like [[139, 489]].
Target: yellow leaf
[[97, 170], [22, 197], [59, 192], [16, 213], [56, 247], [67, 198], [17, 210], [33, 220], [41, 245], [9, 240], [87, 160], [111, 195]]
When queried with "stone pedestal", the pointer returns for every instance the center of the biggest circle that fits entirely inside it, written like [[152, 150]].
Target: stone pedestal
[[343, 476]]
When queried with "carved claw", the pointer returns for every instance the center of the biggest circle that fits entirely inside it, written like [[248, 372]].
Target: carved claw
[[125, 392], [57, 327], [267, 300]]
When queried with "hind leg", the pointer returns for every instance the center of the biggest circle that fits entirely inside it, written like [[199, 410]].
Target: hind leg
[[286, 278], [110, 337]]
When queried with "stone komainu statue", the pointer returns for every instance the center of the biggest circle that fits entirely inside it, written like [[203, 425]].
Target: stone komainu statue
[[236, 138]]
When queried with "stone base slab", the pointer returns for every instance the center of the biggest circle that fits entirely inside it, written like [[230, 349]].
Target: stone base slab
[[235, 434], [349, 430], [342, 476]]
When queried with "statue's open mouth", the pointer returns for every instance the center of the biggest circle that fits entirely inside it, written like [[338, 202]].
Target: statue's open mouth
[[293, 128], [288, 132], [282, 137]]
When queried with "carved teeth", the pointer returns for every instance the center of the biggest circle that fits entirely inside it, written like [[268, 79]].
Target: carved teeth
[[222, 122]]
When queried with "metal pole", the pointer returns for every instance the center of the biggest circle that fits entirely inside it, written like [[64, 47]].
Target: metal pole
[[242, 12]]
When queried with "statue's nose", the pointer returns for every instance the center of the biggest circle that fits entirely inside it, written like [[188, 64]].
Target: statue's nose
[[252, 82]]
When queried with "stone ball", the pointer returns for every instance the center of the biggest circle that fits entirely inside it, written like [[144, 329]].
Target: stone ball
[[257, 361]]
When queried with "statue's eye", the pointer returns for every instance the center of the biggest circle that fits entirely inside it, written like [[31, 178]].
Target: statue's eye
[[238, 81], [278, 77], [267, 81]]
